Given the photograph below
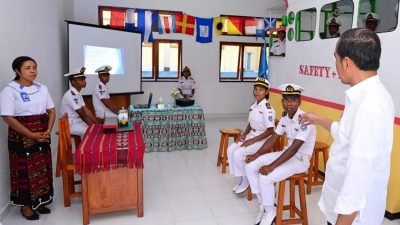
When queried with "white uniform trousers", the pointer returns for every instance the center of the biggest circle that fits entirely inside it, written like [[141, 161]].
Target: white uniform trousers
[[237, 154], [264, 184], [78, 127]]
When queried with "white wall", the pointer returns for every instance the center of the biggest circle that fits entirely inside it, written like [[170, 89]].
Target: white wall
[[37, 29], [203, 59]]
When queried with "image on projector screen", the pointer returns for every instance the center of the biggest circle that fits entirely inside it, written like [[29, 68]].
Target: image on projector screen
[[96, 56]]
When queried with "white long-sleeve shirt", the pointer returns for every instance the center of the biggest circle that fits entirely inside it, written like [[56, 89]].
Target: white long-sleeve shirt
[[358, 168]]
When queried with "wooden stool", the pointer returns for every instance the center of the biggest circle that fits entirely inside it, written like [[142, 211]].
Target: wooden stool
[[313, 177], [223, 145], [297, 179]]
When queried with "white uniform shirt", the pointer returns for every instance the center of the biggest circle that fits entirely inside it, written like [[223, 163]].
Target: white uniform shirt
[[358, 168], [101, 92], [186, 85], [36, 100], [294, 130], [71, 101], [261, 116], [279, 47]]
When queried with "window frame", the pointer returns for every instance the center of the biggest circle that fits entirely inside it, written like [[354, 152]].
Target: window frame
[[240, 69]]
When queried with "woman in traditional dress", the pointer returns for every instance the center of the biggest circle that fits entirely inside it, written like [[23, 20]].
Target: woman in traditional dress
[[26, 106]]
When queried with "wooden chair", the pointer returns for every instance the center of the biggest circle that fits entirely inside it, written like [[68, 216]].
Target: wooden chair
[[297, 179], [226, 133], [314, 178], [67, 161], [77, 141]]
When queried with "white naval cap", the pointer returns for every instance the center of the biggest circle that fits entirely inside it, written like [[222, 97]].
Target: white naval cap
[[262, 81], [333, 21], [78, 72], [291, 89], [372, 17], [103, 69]]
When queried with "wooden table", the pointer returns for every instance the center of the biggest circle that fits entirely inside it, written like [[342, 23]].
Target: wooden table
[[111, 166]]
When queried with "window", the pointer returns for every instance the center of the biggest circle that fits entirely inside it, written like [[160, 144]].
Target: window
[[336, 18], [239, 61], [380, 16], [161, 60], [305, 24]]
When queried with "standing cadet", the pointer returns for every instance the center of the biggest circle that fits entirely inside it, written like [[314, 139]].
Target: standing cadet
[[333, 27], [186, 84], [72, 103], [102, 104], [372, 21], [261, 126], [358, 169], [264, 168], [279, 46]]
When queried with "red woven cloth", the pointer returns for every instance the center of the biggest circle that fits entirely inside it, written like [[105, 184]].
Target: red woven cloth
[[98, 151]]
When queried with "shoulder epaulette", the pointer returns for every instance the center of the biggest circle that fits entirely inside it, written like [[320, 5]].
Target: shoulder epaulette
[[268, 105], [100, 86], [72, 93]]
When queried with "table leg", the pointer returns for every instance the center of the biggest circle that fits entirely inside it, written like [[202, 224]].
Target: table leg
[[140, 192], [85, 200]]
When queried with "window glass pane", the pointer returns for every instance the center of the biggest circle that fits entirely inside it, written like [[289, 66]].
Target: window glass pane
[[380, 16], [336, 18], [229, 61], [305, 24], [106, 18], [251, 61], [168, 59], [147, 60]]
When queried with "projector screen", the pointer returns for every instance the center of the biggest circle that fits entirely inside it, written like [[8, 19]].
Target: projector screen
[[93, 46]]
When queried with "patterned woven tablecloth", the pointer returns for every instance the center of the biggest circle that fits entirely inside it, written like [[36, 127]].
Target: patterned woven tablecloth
[[172, 128], [98, 151]]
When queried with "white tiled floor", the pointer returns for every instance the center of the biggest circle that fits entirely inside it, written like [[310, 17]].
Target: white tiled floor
[[180, 188]]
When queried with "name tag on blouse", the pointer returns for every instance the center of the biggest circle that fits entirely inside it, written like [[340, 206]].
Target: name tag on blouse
[[25, 97]]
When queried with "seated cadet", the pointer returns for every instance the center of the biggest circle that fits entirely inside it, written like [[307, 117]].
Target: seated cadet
[[264, 167], [333, 27], [72, 103], [279, 46], [261, 126], [186, 84], [372, 21], [102, 104]]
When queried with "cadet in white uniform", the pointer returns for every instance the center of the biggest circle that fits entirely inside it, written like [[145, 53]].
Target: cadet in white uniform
[[372, 21], [264, 168], [261, 126], [186, 84], [279, 46], [358, 169], [102, 104], [333, 27], [72, 103]]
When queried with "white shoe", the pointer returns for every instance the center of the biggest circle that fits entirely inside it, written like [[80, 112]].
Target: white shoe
[[235, 188], [259, 215], [241, 189], [268, 218]]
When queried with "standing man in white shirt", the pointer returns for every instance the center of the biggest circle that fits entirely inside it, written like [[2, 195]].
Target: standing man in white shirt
[[186, 84], [279, 46], [265, 167], [72, 103], [102, 104], [358, 168]]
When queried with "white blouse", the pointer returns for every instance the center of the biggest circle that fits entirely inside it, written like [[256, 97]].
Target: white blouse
[[18, 100]]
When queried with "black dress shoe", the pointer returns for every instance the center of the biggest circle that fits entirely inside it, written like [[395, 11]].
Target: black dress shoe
[[43, 210], [34, 216]]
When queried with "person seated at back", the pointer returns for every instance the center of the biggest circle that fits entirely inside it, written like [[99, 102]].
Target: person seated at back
[[102, 103], [72, 103], [265, 167], [279, 46], [333, 27], [372, 21], [260, 127], [186, 84]]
